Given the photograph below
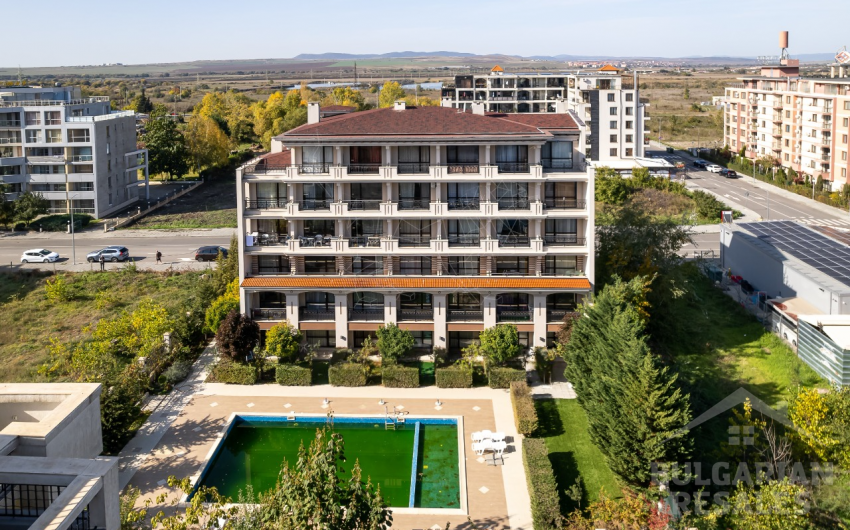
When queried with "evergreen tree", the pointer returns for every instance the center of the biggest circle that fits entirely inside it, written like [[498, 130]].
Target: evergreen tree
[[166, 146], [30, 205]]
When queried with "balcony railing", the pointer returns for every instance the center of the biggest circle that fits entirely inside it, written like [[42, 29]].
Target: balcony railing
[[462, 168], [415, 314], [514, 315], [314, 169], [262, 313], [316, 204], [563, 240], [558, 315], [81, 158], [265, 204], [47, 159], [464, 315], [414, 204], [414, 168], [363, 169], [512, 167], [563, 203], [306, 313], [464, 204], [364, 204], [464, 240], [12, 140], [53, 103], [414, 241], [514, 241], [10, 123], [366, 314], [317, 241], [364, 241], [265, 240], [513, 204]]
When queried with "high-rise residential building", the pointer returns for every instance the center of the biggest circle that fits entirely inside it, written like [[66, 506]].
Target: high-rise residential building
[[73, 150], [443, 221], [608, 105], [800, 122]]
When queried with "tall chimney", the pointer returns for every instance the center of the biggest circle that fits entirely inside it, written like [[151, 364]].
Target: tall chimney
[[313, 115]]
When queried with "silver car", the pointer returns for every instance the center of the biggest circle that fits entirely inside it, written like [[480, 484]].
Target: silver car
[[113, 253]]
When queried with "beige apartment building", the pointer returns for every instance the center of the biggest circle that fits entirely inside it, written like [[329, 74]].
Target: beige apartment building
[[803, 122]]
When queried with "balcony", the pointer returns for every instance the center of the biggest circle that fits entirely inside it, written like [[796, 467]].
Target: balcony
[[315, 204], [514, 241], [262, 313], [81, 158], [314, 242], [414, 168], [514, 316], [306, 313], [513, 204], [266, 204], [414, 241], [563, 240], [827, 141], [366, 314], [777, 131], [464, 204], [513, 167], [825, 124], [10, 140], [464, 315], [365, 242], [49, 159], [363, 169], [464, 240], [415, 315], [558, 315], [563, 203], [414, 204], [10, 123], [362, 205], [462, 168], [265, 240]]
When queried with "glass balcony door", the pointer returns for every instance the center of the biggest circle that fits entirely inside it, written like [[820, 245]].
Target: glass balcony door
[[463, 195], [413, 159]]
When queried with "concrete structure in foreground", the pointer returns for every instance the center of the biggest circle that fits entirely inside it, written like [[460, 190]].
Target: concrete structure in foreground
[[607, 105], [445, 222], [799, 277], [72, 150], [50, 473]]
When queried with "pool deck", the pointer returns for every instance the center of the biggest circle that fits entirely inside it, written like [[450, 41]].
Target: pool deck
[[497, 495]]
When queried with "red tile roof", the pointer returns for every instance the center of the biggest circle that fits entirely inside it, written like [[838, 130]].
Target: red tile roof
[[336, 109], [542, 121], [407, 282], [284, 158], [609, 68], [497, 68]]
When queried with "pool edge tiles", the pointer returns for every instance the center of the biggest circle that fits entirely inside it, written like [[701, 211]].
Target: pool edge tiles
[[236, 418]]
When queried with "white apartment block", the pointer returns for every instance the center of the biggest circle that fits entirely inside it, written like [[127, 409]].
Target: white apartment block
[[607, 106], [443, 221], [803, 122], [72, 150]]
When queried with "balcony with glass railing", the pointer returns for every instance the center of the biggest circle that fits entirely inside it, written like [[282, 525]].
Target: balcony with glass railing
[[563, 240], [268, 313], [564, 203], [414, 241], [508, 241], [464, 240]]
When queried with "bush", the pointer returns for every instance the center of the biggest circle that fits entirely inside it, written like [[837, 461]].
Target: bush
[[347, 374], [453, 377], [397, 376], [394, 342], [59, 222], [543, 363], [503, 377], [341, 354], [293, 375], [237, 336], [234, 373], [708, 207], [542, 488], [525, 415], [440, 355], [500, 343], [177, 372], [56, 290], [284, 342]]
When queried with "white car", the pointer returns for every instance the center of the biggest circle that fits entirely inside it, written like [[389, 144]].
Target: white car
[[714, 168], [39, 255]]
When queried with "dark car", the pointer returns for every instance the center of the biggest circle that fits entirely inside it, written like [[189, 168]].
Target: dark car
[[111, 253], [210, 253], [700, 163], [728, 173]]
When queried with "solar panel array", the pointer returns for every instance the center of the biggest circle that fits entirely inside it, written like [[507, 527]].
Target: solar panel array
[[828, 256]]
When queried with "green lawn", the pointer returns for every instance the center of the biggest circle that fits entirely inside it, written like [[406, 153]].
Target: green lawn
[[563, 425]]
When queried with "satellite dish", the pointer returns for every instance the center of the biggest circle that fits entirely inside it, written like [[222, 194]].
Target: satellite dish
[[843, 56]]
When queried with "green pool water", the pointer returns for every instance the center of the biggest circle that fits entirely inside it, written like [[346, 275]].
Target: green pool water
[[252, 453]]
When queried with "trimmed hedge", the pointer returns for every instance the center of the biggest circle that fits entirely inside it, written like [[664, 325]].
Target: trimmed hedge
[[293, 375], [347, 374], [398, 376], [542, 487], [234, 373], [503, 377], [525, 415], [453, 377]]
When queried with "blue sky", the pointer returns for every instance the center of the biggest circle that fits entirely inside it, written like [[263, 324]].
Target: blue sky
[[57, 33]]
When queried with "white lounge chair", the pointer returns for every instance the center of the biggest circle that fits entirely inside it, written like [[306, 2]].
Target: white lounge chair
[[498, 447], [481, 435], [480, 447], [498, 436]]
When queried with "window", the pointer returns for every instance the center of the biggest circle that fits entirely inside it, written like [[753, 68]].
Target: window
[[272, 300], [413, 159], [612, 125], [109, 182], [414, 232], [53, 136], [365, 155], [52, 117], [561, 227], [367, 227], [630, 97], [630, 151], [787, 157], [515, 265], [844, 138], [320, 338], [367, 265], [423, 339], [81, 135], [462, 154], [315, 159], [630, 111], [613, 151], [612, 111], [33, 118], [613, 139], [414, 265], [843, 155], [630, 138], [319, 227], [458, 340], [464, 266], [560, 266], [611, 97], [464, 302], [313, 193], [847, 105], [787, 128], [843, 172], [507, 155], [82, 168], [33, 137], [845, 122], [557, 155], [787, 113], [787, 142], [629, 124], [318, 301], [319, 265], [272, 264]]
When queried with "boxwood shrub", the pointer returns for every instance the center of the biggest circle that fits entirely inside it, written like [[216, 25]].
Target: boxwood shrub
[[542, 487], [503, 377], [525, 415], [453, 377], [347, 374], [234, 373], [293, 375], [398, 376]]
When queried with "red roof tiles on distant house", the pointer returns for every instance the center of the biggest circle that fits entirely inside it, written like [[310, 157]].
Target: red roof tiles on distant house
[[497, 68], [609, 68]]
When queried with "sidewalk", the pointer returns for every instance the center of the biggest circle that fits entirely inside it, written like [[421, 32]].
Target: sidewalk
[[98, 233]]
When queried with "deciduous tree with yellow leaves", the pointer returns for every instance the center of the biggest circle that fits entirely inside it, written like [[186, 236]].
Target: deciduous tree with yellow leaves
[[390, 93], [207, 143]]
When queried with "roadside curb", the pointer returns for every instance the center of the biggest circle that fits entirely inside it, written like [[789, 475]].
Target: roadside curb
[[126, 234]]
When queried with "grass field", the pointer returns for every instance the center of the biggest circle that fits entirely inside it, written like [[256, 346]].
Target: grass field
[[30, 321], [212, 205]]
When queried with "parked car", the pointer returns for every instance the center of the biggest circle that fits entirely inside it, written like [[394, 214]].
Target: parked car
[[700, 163], [39, 255], [714, 168], [209, 253], [728, 173], [111, 253]]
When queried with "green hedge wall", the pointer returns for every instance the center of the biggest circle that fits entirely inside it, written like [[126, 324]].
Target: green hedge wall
[[453, 377], [525, 415], [293, 375], [398, 376], [503, 377], [542, 487], [347, 374], [234, 373]]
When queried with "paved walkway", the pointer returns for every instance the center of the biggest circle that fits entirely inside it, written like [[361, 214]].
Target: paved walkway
[[97, 232]]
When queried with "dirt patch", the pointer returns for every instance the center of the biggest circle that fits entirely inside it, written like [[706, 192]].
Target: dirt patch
[[211, 205]]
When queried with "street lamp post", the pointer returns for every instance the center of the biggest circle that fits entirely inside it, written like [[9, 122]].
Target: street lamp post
[[73, 230]]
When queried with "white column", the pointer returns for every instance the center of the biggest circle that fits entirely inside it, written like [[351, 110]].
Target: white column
[[292, 314], [441, 333], [540, 325], [337, 156], [486, 155], [590, 228], [489, 304], [390, 308], [341, 320], [437, 157], [387, 156]]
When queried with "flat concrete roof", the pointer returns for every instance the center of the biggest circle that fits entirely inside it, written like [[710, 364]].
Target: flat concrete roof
[[72, 398]]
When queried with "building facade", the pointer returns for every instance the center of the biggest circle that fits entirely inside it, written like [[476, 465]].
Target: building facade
[[72, 150], [607, 105], [802, 123], [442, 221]]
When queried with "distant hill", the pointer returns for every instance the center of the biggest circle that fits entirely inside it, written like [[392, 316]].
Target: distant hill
[[391, 55]]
